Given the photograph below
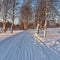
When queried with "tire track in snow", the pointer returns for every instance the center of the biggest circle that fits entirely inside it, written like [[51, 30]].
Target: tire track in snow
[[13, 44]]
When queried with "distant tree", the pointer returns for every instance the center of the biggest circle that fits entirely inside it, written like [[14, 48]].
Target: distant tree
[[52, 10], [13, 10], [25, 13], [4, 12]]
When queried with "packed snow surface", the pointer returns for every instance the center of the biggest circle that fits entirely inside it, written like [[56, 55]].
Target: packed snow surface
[[25, 46]]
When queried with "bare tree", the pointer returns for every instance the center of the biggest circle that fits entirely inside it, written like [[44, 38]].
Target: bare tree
[[45, 24], [25, 13], [43, 8], [13, 9], [4, 13], [13, 14], [53, 11], [49, 8], [40, 13]]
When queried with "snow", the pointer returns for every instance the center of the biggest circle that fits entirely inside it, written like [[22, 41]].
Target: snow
[[52, 39], [8, 34], [25, 46]]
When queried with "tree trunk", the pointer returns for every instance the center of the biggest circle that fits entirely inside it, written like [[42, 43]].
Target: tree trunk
[[12, 27], [25, 26], [4, 27], [25, 21], [34, 24], [45, 25], [38, 26], [45, 28]]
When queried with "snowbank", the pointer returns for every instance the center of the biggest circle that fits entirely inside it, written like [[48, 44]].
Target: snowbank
[[8, 34]]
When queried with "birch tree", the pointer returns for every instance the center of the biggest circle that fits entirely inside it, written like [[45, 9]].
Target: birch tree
[[44, 7], [40, 13], [49, 8]]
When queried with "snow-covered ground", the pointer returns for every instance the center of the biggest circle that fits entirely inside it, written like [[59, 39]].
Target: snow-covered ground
[[25, 46], [52, 39], [8, 34]]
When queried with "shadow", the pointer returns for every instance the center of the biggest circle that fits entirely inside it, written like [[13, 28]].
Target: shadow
[[56, 46]]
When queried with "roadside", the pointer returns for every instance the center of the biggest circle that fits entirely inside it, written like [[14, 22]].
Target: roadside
[[8, 34], [52, 39]]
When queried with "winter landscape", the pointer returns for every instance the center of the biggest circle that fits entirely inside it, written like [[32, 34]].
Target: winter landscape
[[25, 45], [29, 29]]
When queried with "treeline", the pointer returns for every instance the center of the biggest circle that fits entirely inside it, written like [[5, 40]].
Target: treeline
[[37, 11]]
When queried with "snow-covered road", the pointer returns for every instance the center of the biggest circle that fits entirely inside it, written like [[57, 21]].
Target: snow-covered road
[[23, 46]]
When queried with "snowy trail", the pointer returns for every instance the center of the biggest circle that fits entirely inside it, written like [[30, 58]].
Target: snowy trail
[[23, 46]]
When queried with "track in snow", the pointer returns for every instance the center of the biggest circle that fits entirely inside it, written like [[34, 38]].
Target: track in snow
[[23, 46]]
